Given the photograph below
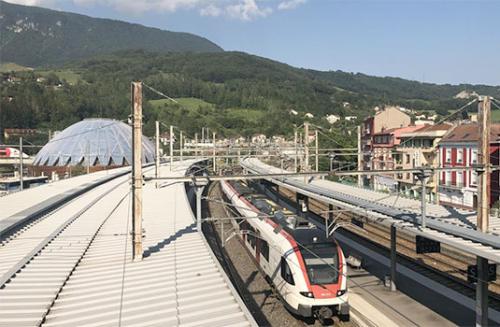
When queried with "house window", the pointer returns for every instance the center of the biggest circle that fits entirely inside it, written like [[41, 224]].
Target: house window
[[447, 178], [286, 272], [460, 178], [448, 155], [460, 155], [474, 156], [473, 178], [407, 158]]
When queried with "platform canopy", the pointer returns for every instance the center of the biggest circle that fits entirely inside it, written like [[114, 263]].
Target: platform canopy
[[97, 142]]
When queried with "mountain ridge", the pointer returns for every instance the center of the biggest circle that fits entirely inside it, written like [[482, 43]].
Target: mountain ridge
[[59, 36]]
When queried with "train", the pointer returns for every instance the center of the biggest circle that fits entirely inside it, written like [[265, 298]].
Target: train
[[307, 268], [8, 152]]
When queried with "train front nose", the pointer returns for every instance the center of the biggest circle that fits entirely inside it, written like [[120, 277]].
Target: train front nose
[[324, 313]]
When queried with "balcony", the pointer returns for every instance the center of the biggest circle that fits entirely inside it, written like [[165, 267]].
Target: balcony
[[450, 185]]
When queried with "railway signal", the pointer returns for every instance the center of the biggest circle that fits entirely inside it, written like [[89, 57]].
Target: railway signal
[[472, 273]]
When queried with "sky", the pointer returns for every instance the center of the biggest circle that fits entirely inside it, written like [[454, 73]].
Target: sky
[[445, 41]]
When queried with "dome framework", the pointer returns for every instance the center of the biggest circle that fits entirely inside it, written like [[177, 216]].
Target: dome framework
[[93, 142]]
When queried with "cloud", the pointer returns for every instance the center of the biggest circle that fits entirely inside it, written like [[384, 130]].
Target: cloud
[[38, 3], [290, 4], [211, 10], [247, 10], [244, 10]]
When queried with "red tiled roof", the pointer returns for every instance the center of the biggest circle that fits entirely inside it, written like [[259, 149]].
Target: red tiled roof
[[470, 133]]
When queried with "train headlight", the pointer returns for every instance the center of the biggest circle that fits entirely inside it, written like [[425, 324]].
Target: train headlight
[[341, 292], [307, 294]]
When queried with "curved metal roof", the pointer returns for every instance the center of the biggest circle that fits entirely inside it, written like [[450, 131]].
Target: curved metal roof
[[104, 142]]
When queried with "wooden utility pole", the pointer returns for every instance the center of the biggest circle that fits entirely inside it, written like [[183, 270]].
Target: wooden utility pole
[[181, 140], [214, 152], [316, 144], [306, 146], [137, 171], [157, 150], [484, 161], [296, 152], [171, 137], [21, 168], [360, 158]]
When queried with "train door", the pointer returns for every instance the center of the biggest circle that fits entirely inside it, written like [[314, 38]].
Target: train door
[[257, 246]]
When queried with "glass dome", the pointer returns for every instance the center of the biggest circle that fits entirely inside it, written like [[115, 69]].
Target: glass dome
[[105, 142]]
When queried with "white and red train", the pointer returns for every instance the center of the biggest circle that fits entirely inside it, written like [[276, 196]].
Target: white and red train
[[307, 269], [7, 152]]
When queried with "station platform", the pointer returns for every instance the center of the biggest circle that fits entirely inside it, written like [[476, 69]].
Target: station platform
[[460, 217], [18, 206], [178, 282], [26, 201], [374, 304]]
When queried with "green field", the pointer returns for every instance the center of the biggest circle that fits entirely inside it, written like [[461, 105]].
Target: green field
[[12, 67], [495, 115], [64, 74], [188, 103]]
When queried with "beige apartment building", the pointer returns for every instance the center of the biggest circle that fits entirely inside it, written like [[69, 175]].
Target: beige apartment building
[[385, 156], [420, 149], [388, 118]]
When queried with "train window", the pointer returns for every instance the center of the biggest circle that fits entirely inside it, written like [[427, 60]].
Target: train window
[[322, 263], [264, 249], [251, 236], [286, 272]]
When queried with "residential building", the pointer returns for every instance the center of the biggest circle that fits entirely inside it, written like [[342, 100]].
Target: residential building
[[385, 156], [390, 117], [332, 119], [419, 149], [459, 148]]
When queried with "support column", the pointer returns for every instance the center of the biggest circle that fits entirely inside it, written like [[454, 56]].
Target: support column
[[394, 256], [21, 166], [215, 164], [171, 147], [423, 176], [482, 292], [137, 171], [295, 147], [195, 144], [483, 203], [199, 192], [306, 146], [181, 146], [316, 145], [157, 149], [360, 158]]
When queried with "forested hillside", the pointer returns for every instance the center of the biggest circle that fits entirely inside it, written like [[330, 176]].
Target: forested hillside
[[231, 92], [33, 36]]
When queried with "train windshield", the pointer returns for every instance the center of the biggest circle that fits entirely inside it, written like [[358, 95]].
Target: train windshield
[[321, 262]]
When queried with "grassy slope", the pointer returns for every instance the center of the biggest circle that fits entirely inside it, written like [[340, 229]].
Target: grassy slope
[[69, 75], [12, 67]]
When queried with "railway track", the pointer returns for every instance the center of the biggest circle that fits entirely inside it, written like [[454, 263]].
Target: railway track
[[258, 294], [38, 258], [445, 268]]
